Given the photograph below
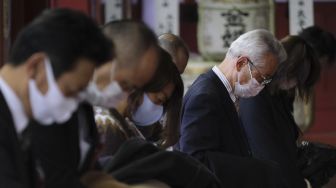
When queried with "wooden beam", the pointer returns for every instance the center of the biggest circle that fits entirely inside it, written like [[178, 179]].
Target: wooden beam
[[127, 9], [5, 29], [1, 35]]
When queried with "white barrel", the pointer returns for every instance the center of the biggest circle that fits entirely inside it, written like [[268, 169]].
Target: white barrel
[[222, 21]]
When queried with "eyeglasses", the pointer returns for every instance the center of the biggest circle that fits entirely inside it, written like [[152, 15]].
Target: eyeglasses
[[265, 80]]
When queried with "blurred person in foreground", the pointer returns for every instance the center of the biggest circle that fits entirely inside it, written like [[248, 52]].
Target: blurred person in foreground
[[75, 144], [51, 62]]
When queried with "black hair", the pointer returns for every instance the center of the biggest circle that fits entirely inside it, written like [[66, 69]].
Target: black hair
[[301, 65], [65, 36], [131, 39], [323, 42]]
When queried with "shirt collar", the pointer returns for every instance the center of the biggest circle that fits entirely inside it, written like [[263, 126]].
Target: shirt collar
[[225, 81], [15, 106]]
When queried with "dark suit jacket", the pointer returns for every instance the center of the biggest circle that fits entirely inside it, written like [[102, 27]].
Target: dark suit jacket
[[272, 132], [137, 161], [58, 152], [16, 166], [211, 132]]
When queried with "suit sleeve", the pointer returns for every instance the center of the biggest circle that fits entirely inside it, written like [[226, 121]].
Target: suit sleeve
[[199, 126]]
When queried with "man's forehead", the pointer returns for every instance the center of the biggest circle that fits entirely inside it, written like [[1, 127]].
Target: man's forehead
[[132, 76], [147, 66]]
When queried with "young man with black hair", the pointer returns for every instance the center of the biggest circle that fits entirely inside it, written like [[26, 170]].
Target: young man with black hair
[[51, 61]]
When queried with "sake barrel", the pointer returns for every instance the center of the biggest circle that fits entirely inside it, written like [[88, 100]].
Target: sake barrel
[[222, 21]]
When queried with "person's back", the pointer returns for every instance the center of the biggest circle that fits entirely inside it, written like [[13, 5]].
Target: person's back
[[272, 132]]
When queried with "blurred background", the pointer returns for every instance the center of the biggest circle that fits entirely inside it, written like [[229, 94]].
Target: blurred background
[[208, 27]]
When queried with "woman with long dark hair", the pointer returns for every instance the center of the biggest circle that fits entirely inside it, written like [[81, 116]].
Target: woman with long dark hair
[[156, 109]]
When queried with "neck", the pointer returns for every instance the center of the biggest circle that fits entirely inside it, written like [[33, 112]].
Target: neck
[[227, 68], [10, 75]]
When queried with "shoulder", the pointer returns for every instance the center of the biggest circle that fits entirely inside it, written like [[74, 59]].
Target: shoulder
[[262, 100], [204, 85]]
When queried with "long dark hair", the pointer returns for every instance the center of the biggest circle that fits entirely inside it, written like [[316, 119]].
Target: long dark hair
[[302, 65], [323, 42], [166, 73]]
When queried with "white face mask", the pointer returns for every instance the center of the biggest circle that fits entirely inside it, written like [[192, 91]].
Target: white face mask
[[109, 97], [251, 89], [147, 113], [53, 107]]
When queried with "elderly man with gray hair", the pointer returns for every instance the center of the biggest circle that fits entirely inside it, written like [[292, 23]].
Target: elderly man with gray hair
[[211, 130]]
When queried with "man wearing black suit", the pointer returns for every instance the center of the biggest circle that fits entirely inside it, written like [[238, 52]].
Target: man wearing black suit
[[75, 143], [50, 63], [211, 129]]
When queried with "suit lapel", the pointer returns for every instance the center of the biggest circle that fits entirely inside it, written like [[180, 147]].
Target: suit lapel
[[231, 113], [86, 114], [6, 119]]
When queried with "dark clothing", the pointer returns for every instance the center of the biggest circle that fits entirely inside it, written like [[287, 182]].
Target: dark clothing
[[272, 132], [317, 162], [57, 148], [209, 119], [16, 164], [137, 161], [211, 132]]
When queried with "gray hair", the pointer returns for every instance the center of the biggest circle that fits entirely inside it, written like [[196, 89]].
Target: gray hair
[[256, 44]]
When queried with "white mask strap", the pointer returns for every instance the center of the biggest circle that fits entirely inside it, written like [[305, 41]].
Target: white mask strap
[[248, 64], [49, 72]]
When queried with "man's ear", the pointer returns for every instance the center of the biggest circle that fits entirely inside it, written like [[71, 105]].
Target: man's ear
[[241, 62], [36, 70], [34, 63]]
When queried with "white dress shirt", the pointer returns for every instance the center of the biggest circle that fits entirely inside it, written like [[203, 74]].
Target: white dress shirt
[[15, 106], [21, 120], [226, 82]]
